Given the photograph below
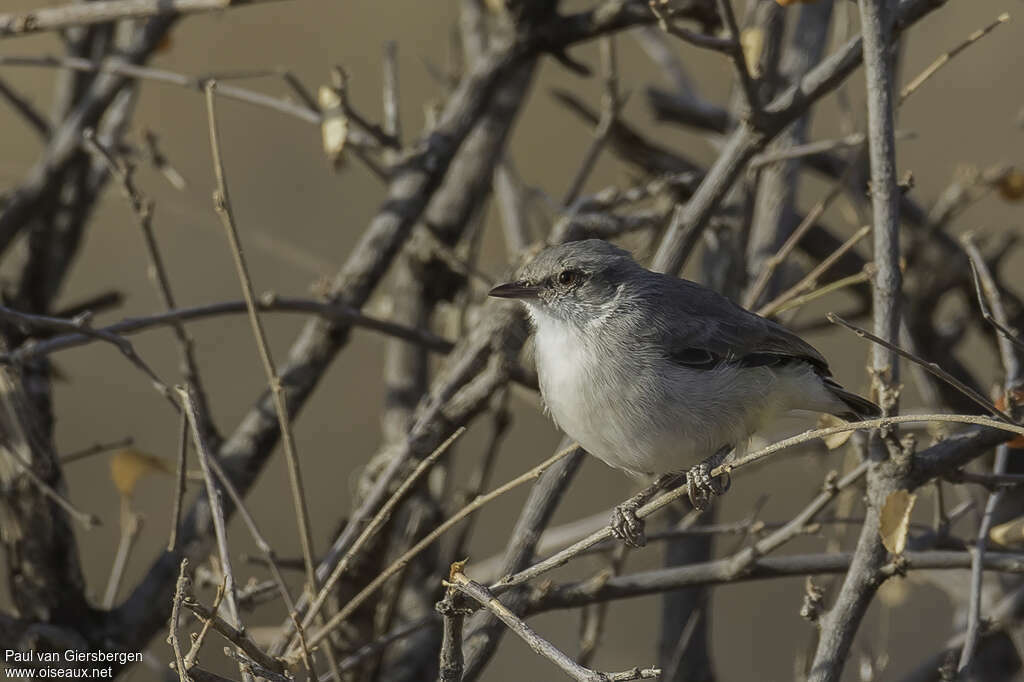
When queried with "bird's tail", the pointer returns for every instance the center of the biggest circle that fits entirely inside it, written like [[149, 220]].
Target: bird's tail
[[858, 407]]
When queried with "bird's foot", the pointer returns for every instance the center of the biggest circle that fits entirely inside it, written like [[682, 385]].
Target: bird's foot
[[627, 526], [702, 486]]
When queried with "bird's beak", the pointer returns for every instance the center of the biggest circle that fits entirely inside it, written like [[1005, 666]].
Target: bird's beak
[[520, 290]]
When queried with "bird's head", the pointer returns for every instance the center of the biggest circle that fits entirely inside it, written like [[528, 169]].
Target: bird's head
[[574, 282]]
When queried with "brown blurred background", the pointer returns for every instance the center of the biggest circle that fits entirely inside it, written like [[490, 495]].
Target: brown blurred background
[[299, 219]]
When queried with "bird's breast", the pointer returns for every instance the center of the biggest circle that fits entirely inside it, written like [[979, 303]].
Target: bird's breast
[[600, 396]]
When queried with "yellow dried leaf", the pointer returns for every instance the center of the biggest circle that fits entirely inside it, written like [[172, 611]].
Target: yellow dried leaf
[[334, 127], [752, 42], [895, 520], [1009, 534], [129, 465], [894, 593], [1011, 185], [836, 440]]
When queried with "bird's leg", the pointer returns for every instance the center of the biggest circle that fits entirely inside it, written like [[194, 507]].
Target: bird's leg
[[625, 524], [702, 486]]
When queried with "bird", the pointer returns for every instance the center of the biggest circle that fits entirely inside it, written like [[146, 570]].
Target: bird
[[658, 375]]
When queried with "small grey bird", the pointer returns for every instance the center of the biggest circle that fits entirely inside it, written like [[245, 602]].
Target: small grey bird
[[657, 375]]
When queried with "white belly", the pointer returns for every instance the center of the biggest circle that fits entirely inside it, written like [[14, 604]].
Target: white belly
[[646, 416]]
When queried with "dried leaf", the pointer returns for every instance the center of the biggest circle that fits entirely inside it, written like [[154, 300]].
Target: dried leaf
[[836, 440], [895, 520], [752, 42], [787, 3], [334, 127], [894, 593], [129, 465], [1011, 185], [1009, 534]]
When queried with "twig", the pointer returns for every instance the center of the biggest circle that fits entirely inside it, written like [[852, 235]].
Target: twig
[[739, 60], [773, 262], [181, 588], [254, 668], [222, 204], [543, 647], [662, 12], [978, 563], [214, 500], [234, 635], [993, 311], [179, 483], [562, 557], [811, 278], [944, 58], [378, 521], [842, 621], [335, 311], [269, 555], [719, 572], [931, 367], [96, 449], [450, 660], [24, 107], [861, 277], [198, 640], [88, 521], [142, 209], [131, 525], [80, 325], [429, 539], [379, 644], [58, 18], [820, 147], [128, 70], [610, 105]]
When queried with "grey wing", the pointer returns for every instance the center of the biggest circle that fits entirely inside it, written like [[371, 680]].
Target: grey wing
[[701, 328]]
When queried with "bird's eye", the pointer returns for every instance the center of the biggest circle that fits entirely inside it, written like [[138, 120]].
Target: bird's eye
[[568, 277]]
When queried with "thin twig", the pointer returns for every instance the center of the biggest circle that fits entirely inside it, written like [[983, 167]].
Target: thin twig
[[800, 151], [96, 449], [198, 640], [610, 106], [931, 367], [131, 526], [662, 12], [142, 209], [993, 312], [59, 18], [378, 521], [739, 60], [562, 557], [88, 521], [861, 277], [80, 325], [431, 537], [944, 58], [334, 311], [234, 635], [773, 262], [543, 647], [811, 278], [181, 588], [179, 483], [974, 623], [213, 499], [222, 204]]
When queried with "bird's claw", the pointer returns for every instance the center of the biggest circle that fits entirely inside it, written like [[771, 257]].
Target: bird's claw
[[702, 488], [627, 526]]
